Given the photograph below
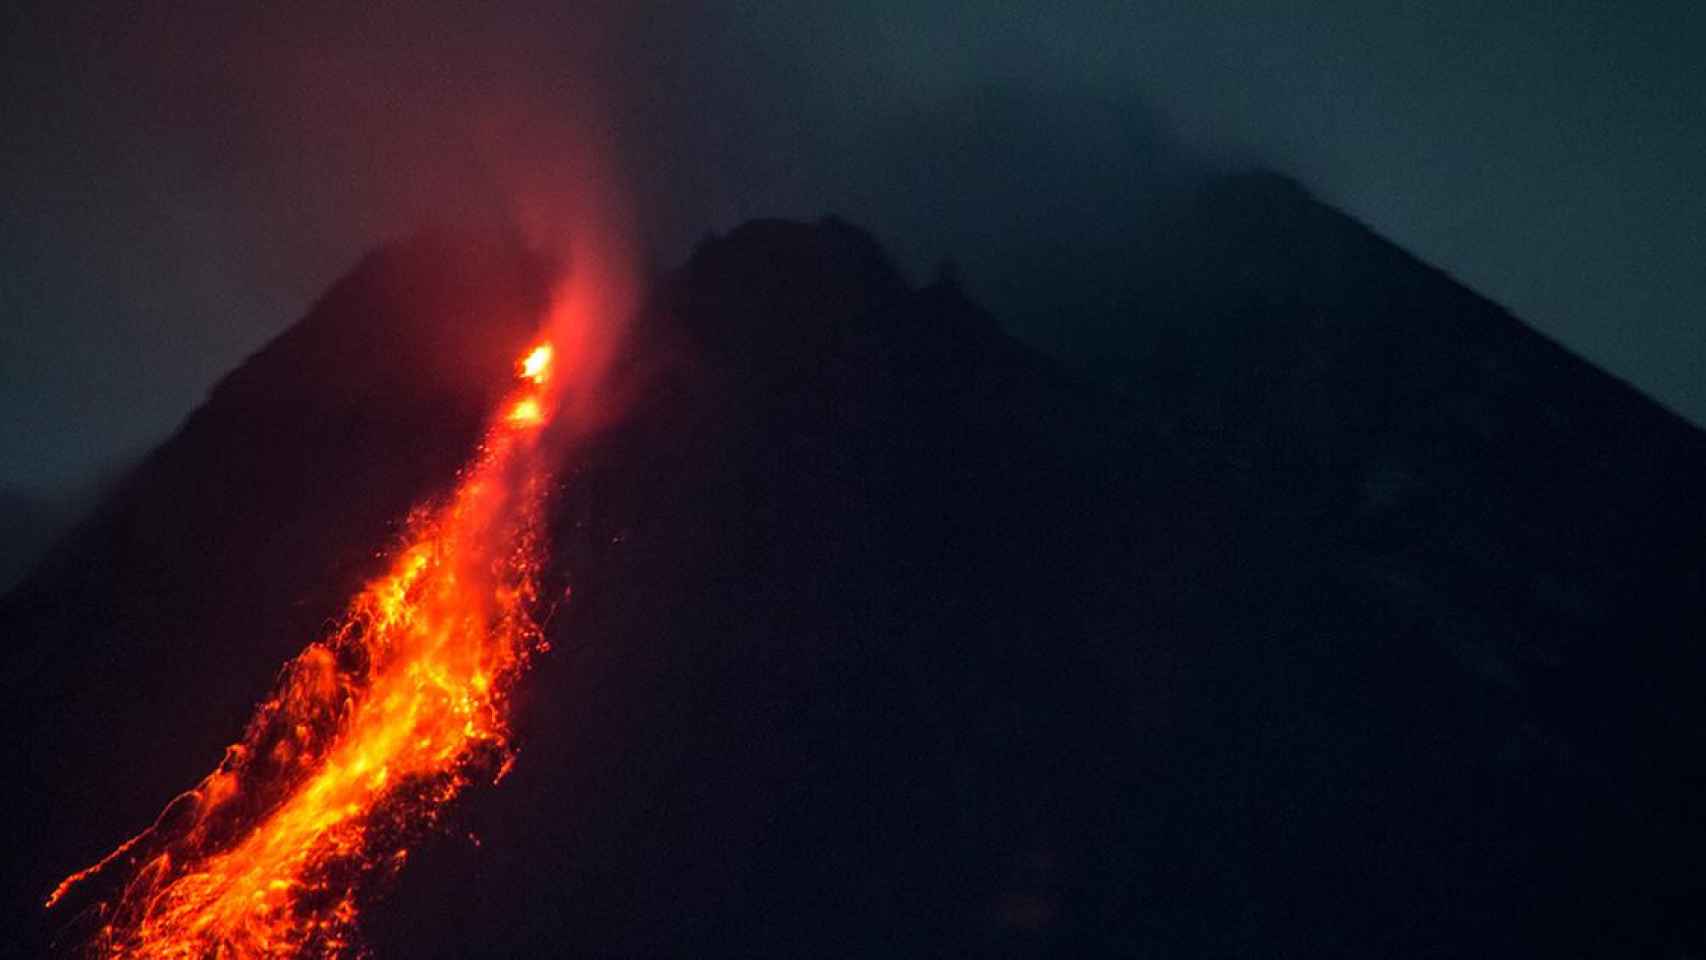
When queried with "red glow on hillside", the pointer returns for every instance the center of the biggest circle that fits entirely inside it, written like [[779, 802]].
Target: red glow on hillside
[[372, 731]]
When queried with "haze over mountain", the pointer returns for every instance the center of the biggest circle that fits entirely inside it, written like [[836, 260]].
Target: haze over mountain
[[1340, 615], [180, 180]]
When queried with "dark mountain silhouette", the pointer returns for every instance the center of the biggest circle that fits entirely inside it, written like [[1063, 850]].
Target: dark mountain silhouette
[[1358, 620]]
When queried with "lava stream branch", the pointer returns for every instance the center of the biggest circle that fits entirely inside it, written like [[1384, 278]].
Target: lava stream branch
[[371, 732]]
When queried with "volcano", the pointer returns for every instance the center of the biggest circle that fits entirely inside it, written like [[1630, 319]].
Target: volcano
[[1348, 617]]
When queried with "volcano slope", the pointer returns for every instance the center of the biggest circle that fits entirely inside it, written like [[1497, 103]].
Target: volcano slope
[[135, 652], [1360, 620]]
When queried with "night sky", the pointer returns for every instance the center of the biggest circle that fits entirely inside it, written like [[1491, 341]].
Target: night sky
[[181, 180]]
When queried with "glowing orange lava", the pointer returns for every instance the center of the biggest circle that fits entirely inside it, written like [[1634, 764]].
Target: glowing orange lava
[[536, 366], [526, 412], [371, 732]]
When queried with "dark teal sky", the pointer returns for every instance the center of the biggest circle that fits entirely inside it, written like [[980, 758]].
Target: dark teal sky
[[178, 181]]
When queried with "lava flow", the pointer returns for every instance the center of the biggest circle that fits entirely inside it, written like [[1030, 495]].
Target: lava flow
[[371, 732]]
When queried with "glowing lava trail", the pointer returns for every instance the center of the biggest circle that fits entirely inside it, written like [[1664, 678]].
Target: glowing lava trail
[[371, 732]]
